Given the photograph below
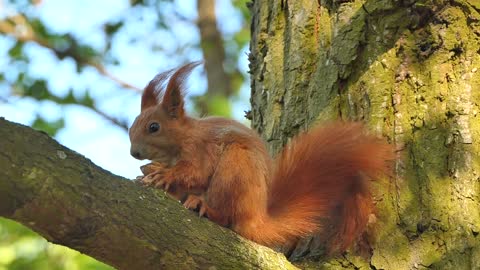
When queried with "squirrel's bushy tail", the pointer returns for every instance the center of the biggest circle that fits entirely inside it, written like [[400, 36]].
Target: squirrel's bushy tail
[[324, 174]]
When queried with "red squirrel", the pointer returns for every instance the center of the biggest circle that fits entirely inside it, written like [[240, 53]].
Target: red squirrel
[[223, 169]]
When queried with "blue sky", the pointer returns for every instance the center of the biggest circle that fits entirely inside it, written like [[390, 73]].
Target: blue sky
[[86, 132]]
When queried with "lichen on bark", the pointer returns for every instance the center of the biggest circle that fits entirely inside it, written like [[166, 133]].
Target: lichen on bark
[[409, 70]]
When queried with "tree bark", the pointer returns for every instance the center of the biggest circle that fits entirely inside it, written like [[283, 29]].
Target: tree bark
[[70, 201], [409, 69]]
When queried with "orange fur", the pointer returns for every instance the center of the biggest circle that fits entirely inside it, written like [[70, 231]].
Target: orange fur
[[222, 168]]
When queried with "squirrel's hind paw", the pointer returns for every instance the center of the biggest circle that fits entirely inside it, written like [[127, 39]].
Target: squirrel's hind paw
[[194, 202]]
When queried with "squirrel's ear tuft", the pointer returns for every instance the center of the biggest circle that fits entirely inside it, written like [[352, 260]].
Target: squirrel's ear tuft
[[173, 99], [153, 92]]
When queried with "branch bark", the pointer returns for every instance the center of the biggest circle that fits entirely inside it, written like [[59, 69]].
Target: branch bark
[[70, 201]]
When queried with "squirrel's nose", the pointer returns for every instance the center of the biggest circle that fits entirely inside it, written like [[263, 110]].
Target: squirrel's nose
[[135, 154]]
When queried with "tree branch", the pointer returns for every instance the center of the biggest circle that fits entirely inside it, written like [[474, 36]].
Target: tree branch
[[72, 202], [119, 123]]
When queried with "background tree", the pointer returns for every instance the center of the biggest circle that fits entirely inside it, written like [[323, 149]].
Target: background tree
[[409, 69]]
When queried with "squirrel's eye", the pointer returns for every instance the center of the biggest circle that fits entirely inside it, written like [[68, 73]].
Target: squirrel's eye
[[154, 127]]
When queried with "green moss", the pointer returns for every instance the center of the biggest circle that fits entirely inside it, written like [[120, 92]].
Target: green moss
[[171, 260], [410, 71]]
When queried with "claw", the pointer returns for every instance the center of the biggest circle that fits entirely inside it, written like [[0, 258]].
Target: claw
[[159, 184], [202, 211], [151, 179], [167, 186], [153, 174], [139, 181], [156, 176], [190, 203], [193, 202]]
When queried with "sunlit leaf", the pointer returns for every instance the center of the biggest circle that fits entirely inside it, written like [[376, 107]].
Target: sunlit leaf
[[17, 50], [87, 100], [49, 127], [220, 105], [21, 248], [69, 98], [37, 90], [242, 37], [242, 6]]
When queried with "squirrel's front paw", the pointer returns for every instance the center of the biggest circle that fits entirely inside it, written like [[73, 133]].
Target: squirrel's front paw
[[139, 180], [155, 176], [157, 179], [153, 167], [163, 182]]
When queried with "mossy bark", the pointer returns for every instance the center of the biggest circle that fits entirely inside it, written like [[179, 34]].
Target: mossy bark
[[70, 201], [410, 71]]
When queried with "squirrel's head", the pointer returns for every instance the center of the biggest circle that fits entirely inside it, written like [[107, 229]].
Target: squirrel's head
[[154, 134]]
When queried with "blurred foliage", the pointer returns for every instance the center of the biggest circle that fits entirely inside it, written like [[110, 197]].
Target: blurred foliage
[[49, 127], [21, 249], [38, 90], [25, 27], [21, 28]]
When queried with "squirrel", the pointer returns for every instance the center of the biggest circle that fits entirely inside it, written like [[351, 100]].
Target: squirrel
[[222, 168]]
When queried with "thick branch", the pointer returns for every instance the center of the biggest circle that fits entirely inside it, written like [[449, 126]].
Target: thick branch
[[72, 202]]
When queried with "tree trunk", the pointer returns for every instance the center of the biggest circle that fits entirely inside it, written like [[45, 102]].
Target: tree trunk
[[70, 201], [409, 70]]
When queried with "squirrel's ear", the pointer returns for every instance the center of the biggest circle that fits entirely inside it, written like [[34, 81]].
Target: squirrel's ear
[[173, 99], [153, 92]]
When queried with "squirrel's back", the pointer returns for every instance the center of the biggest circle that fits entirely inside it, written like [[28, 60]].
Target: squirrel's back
[[227, 131]]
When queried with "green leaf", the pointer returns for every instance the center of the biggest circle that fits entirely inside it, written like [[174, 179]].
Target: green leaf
[[242, 37], [112, 28], [60, 43], [38, 90], [219, 105], [87, 100], [49, 127], [69, 98], [21, 248], [242, 6], [16, 51], [39, 28], [85, 53], [137, 2]]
